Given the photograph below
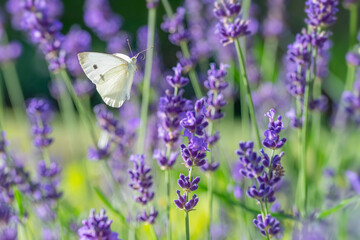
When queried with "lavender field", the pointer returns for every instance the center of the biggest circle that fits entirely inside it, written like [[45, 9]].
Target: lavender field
[[186, 119]]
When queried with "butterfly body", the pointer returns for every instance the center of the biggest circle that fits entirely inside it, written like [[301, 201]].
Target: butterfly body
[[113, 75]]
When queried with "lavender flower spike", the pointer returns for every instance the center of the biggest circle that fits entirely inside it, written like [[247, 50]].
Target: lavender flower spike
[[230, 26], [97, 227], [141, 180], [188, 185], [272, 139], [182, 204], [40, 114], [269, 225]]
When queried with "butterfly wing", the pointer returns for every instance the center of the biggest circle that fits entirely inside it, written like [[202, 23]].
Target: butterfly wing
[[113, 86], [96, 65]]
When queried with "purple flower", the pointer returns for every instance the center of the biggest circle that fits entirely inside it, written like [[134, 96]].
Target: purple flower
[[148, 217], [210, 167], [177, 81], [98, 153], [272, 138], [351, 100], [152, 3], [216, 84], [298, 51], [231, 31], [40, 114], [101, 19], [10, 52], [175, 26], [274, 23], [172, 108], [227, 9], [188, 185], [194, 154], [83, 87], [353, 58], [321, 13], [57, 88], [230, 26], [77, 40], [164, 162], [50, 234], [118, 42], [185, 205], [48, 184], [295, 122], [48, 172], [251, 162], [38, 20], [354, 180], [195, 122], [269, 225], [97, 227], [320, 104], [141, 179]]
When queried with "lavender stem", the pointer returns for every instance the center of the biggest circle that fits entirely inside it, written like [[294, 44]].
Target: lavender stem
[[147, 78], [167, 182], [13, 86], [83, 114], [248, 91], [302, 176], [2, 102], [187, 225]]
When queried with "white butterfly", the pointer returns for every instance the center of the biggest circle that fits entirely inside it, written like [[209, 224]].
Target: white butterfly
[[113, 75]]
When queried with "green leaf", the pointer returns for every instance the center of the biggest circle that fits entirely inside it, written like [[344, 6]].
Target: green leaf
[[338, 207], [108, 204], [19, 200]]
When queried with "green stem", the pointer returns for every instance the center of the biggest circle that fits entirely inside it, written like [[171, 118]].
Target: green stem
[[187, 225], [46, 156], [153, 232], [316, 93], [167, 7], [302, 176], [353, 25], [248, 91], [2, 99], [13, 85], [167, 182], [147, 78], [83, 114], [245, 123], [14, 89], [351, 70], [210, 198], [269, 55], [187, 228], [210, 175], [192, 74]]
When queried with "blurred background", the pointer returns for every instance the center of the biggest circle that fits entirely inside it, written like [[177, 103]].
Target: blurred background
[[80, 177], [35, 78]]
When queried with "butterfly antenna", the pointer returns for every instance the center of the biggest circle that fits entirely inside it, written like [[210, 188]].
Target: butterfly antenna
[[128, 42], [143, 51]]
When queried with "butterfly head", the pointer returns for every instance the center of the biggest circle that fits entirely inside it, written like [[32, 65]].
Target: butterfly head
[[134, 59]]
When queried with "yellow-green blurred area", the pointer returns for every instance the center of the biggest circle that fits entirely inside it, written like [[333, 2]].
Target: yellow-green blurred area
[[232, 220]]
